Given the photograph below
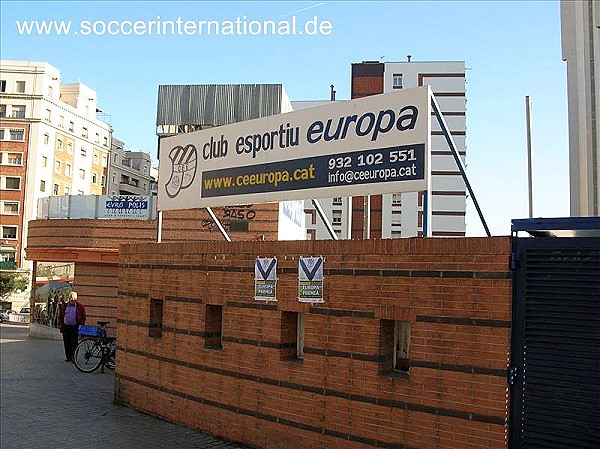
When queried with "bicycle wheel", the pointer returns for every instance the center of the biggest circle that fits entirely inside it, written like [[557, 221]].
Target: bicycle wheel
[[110, 354], [88, 355]]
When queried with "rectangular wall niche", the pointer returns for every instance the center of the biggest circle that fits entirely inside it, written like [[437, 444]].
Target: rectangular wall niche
[[395, 346], [156, 318], [213, 329]]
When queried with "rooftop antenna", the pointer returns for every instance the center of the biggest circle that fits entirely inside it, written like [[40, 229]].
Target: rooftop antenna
[[332, 97], [409, 57]]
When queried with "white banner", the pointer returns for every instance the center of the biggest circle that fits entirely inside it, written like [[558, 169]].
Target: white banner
[[376, 144]]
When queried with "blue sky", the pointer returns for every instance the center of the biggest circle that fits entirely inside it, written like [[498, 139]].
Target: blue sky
[[511, 49]]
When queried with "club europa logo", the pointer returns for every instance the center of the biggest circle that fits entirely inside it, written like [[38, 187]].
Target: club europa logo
[[184, 161]]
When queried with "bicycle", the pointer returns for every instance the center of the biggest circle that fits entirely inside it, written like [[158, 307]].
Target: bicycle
[[97, 349]]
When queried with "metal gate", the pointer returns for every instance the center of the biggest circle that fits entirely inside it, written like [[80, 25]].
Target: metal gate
[[555, 354]]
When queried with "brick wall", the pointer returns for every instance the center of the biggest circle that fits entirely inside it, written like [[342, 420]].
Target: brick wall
[[454, 293], [93, 244], [97, 286]]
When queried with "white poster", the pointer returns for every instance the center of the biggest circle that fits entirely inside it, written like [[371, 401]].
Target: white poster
[[265, 279], [376, 144], [310, 279]]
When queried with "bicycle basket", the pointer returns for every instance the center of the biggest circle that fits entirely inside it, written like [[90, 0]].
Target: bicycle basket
[[90, 331]]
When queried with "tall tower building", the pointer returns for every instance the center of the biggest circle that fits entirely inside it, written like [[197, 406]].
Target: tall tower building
[[401, 214], [580, 25], [51, 143]]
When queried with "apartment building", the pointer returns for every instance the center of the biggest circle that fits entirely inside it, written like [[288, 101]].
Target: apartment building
[[580, 26], [51, 143], [130, 171], [402, 214]]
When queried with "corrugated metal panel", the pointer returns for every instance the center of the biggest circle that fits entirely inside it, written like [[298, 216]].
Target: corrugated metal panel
[[216, 104], [561, 344]]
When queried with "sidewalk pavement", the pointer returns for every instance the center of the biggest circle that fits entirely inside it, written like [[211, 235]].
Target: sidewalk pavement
[[46, 403]]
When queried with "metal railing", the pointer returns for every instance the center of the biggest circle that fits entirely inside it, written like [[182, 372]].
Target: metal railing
[[110, 207]]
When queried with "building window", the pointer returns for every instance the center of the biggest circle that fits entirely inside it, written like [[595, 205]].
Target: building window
[[103, 181], [145, 169], [9, 232], [116, 158], [397, 81], [94, 178], [2, 110], [114, 179], [156, 318], [104, 160], [67, 190], [105, 141], [56, 166], [20, 87], [395, 346], [46, 138], [1, 134], [97, 139], [18, 111], [59, 144], [42, 186], [71, 126], [14, 158], [80, 192], [2, 85], [10, 207], [44, 161], [84, 132], [48, 116], [69, 147], [337, 201], [336, 218], [213, 327], [83, 152], [55, 189], [396, 199], [50, 91], [96, 158], [12, 183], [61, 121], [17, 134], [81, 173], [68, 170]]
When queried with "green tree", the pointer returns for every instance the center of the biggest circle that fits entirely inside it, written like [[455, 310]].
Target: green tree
[[10, 282]]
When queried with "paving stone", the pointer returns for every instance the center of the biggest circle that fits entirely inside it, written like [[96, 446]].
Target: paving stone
[[47, 403]]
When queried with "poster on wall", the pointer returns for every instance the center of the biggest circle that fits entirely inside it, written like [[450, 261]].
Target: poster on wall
[[310, 279], [265, 279]]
